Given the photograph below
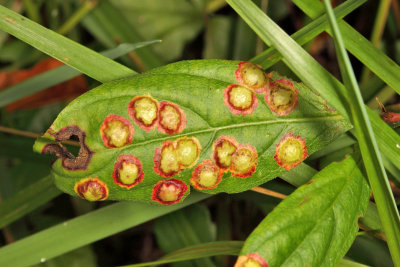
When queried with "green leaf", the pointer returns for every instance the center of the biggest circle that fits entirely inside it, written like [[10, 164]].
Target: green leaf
[[176, 22], [83, 230], [184, 228], [197, 88], [317, 223], [73, 54]]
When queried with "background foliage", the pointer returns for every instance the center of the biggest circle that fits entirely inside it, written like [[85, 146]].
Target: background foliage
[[56, 229]]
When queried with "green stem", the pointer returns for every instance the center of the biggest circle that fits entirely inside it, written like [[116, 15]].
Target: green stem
[[369, 149], [32, 11], [377, 32], [86, 7]]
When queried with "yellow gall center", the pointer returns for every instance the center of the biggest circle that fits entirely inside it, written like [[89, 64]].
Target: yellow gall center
[[94, 192], [208, 176], [240, 97], [282, 96], [243, 160], [187, 151], [145, 110], [253, 76], [117, 133], [128, 173], [291, 151], [169, 160], [251, 263], [170, 117], [224, 153], [169, 193]]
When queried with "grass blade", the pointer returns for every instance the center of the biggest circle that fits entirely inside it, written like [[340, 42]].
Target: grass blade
[[198, 251], [368, 146], [71, 53], [305, 67], [84, 230], [27, 200], [270, 56], [359, 46], [57, 75]]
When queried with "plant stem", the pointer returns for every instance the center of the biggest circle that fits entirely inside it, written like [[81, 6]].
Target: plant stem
[[268, 192]]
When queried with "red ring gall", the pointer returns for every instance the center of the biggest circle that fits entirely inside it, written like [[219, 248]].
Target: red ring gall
[[144, 111], [171, 119], [169, 191], [128, 171], [116, 131], [251, 260], [244, 161], [290, 151], [188, 151], [165, 160], [240, 100], [223, 149], [91, 189], [207, 175], [252, 76], [282, 97]]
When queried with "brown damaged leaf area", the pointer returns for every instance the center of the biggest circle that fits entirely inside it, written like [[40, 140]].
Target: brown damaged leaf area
[[61, 92], [169, 191], [69, 161]]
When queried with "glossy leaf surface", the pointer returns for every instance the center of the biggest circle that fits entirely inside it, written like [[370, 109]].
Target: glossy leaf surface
[[316, 224], [197, 89]]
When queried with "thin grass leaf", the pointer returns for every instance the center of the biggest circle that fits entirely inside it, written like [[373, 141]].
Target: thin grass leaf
[[71, 53], [84, 230], [300, 62], [368, 146], [196, 252], [271, 56], [359, 46], [58, 75], [27, 200]]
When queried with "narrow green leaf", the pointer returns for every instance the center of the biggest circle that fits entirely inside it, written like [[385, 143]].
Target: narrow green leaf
[[185, 228], [307, 33], [58, 75], [83, 230], [308, 127], [348, 263], [369, 148], [26, 200], [73, 54], [198, 251], [317, 223], [299, 61], [379, 63], [115, 28]]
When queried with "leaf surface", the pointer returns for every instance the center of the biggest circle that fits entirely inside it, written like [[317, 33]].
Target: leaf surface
[[316, 224], [197, 89]]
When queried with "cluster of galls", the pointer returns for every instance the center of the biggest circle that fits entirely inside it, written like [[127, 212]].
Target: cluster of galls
[[228, 155], [116, 131], [280, 95]]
